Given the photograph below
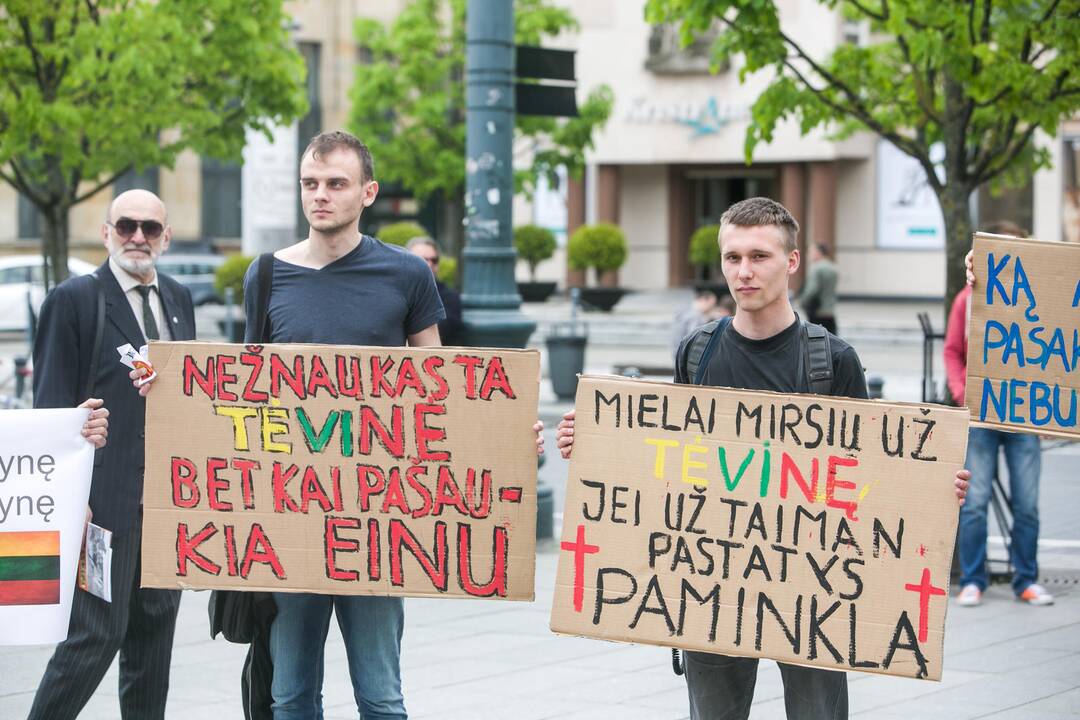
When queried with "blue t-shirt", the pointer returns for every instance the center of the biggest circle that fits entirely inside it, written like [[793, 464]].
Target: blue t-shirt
[[376, 294]]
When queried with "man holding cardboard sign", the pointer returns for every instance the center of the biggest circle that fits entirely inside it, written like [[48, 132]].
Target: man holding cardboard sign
[[341, 287], [762, 348], [1002, 369]]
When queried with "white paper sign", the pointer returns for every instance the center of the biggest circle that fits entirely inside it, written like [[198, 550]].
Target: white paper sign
[[45, 468]]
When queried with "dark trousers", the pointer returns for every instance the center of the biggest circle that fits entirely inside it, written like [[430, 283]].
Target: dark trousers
[[138, 623], [721, 687]]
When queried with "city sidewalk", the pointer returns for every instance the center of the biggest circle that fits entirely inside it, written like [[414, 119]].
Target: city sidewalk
[[474, 659]]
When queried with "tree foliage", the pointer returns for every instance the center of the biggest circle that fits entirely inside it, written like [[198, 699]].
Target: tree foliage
[[976, 79], [410, 98], [93, 88]]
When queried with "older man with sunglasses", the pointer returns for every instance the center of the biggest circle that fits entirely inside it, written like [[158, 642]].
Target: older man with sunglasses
[[83, 321]]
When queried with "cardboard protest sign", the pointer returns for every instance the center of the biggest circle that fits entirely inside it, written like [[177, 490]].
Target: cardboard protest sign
[[344, 470], [45, 468], [1024, 336], [811, 530]]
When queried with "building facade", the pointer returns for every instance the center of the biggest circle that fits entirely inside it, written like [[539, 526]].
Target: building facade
[[672, 159], [669, 160]]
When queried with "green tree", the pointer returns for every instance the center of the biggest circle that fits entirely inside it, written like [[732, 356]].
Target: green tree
[[410, 99], [975, 79], [94, 88]]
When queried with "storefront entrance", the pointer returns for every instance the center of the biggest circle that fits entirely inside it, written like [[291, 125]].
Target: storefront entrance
[[699, 197]]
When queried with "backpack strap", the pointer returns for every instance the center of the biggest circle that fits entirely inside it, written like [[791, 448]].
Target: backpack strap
[[817, 353], [99, 337], [265, 275], [702, 347]]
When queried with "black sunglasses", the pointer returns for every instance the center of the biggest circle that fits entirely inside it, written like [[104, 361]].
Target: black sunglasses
[[126, 227]]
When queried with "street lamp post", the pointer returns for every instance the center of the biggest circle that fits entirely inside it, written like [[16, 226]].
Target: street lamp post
[[490, 300]]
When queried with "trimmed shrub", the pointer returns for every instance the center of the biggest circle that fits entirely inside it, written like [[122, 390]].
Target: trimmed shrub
[[447, 272], [704, 247], [601, 246], [400, 233], [230, 274], [534, 244]]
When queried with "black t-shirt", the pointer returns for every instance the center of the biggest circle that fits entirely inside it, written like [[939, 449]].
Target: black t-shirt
[[774, 363]]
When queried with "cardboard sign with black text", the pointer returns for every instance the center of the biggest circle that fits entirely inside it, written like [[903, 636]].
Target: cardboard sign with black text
[[810, 530], [342, 470], [1024, 336]]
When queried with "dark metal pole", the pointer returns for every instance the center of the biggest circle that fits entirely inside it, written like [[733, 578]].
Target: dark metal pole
[[489, 299]]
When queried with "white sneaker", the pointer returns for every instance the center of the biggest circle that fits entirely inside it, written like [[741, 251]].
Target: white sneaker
[[1036, 594], [969, 596]]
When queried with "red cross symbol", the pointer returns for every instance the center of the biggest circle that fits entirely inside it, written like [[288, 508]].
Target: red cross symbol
[[580, 549], [925, 590]]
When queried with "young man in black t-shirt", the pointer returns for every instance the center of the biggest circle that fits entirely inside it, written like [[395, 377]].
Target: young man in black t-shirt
[[761, 350]]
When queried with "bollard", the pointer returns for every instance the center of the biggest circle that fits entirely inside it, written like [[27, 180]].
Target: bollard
[[229, 319], [566, 351], [21, 373]]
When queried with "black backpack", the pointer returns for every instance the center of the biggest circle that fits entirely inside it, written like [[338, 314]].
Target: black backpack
[[816, 351], [817, 361]]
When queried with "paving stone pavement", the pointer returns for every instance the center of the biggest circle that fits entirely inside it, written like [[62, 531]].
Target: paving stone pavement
[[475, 660]]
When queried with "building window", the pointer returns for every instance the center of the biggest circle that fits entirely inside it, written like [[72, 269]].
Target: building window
[[311, 124], [147, 179], [855, 32], [1016, 205], [666, 55], [30, 222], [220, 199]]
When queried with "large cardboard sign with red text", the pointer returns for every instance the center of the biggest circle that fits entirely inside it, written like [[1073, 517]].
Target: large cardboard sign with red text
[[344, 470], [1024, 336], [810, 530]]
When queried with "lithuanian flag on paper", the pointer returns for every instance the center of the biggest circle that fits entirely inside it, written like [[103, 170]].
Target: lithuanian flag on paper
[[30, 568]]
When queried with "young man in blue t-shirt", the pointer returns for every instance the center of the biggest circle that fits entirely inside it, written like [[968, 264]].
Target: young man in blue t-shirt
[[759, 350], [341, 287]]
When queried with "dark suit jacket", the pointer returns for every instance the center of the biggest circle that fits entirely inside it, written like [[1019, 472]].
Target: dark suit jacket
[[62, 350], [450, 326]]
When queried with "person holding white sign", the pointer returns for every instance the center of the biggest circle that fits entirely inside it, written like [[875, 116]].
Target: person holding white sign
[[764, 347], [83, 322]]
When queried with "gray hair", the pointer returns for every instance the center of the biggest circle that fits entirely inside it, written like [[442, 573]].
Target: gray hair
[[422, 240]]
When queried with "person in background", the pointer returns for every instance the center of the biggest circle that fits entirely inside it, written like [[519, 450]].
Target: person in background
[[708, 304], [449, 327], [1023, 456], [818, 295]]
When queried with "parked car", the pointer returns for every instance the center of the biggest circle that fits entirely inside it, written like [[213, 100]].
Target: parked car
[[23, 274], [194, 271]]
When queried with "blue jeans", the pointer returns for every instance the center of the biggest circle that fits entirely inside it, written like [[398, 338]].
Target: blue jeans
[[371, 627], [721, 687], [1024, 459]]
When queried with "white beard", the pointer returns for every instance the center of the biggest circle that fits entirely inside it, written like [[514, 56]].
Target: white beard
[[135, 267]]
